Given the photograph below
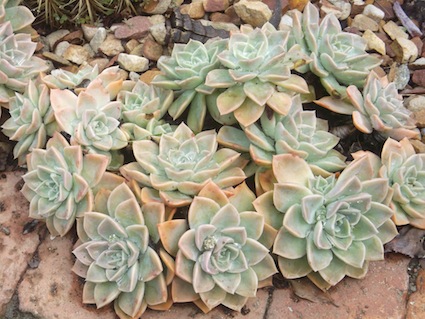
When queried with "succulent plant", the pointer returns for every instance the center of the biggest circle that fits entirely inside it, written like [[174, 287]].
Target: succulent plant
[[327, 227], [143, 103], [299, 133], [379, 107], [338, 58], [31, 119], [405, 171], [91, 119], [115, 258], [181, 164], [184, 72], [17, 63], [19, 17], [63, 79], [219, 259], [257, 72], [59, 183]]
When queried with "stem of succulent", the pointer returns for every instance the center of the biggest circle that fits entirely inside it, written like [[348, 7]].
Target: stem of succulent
[[406, 21]]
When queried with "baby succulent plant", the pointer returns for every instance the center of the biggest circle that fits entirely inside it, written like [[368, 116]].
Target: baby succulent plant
[[184, 72], [327, 227], [144, 102], [405, 171], [59, 183], [63, 79], [299, 133], [92, 120], [338, 58], [256, 73], [114, 256], [17, 63], [31, 119], [177, 167], [219, 257], [379, 107]]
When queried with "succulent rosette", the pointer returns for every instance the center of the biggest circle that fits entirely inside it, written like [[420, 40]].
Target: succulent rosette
[[63, 79], [219, 259], [184, 72], [181, 164], [17, 63], [92, 120], [379, 107], [405, 171], [299, 133], [257, 73], [327, 227], [19, 17], [114, 256], [143, 103], [31, 120], [338, 58], [59, 183]]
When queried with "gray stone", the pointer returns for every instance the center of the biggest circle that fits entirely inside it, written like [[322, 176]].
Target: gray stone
[[61, 48], [133, 62], [159, 32], [98, 39], [401, 76]]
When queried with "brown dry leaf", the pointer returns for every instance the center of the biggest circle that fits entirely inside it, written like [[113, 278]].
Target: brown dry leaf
[[305, 289], [409, 242]]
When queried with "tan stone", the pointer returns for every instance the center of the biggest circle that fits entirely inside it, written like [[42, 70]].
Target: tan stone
[[16, 249], [130, 45], [149, 75], [56, 58], [405, 50], [52, 290], [156, 7], [394, 31], [364, 23], [382, 294], [111, 46], [340, 8], [133, 63], [196, 10], [374, 42], [373, 12], [76, 54], [151, 49], [254, 13]]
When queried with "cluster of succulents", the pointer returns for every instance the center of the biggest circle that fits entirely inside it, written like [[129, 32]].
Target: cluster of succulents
[[202, 184], [339, 58]]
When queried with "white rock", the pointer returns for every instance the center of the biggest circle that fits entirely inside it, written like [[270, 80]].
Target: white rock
[[373, 12], [98, 39], [394, 31], [133, 63], [61, 48], [159, 32], [374, 42], [255, 13]]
